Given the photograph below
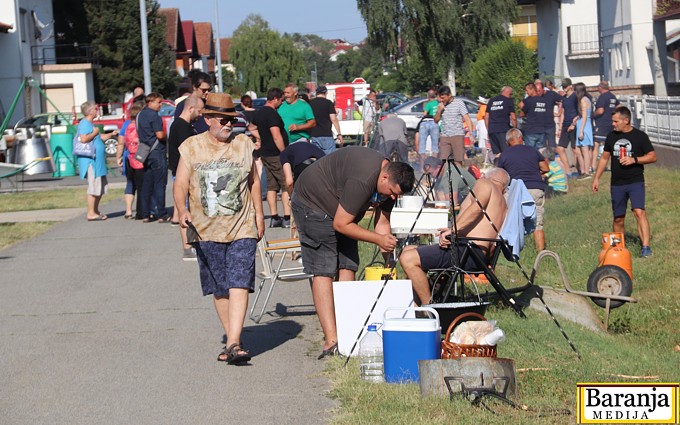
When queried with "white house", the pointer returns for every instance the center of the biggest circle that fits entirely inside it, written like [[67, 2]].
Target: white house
[[569, 42], [30, 52]]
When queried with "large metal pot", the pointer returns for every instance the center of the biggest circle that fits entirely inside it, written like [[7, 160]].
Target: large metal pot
[[26, 150]]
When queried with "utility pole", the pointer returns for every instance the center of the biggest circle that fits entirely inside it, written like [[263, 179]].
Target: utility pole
[[219, 49], [145, 47]]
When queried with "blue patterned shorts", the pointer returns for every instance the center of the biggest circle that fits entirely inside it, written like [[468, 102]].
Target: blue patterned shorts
[[226, 265]]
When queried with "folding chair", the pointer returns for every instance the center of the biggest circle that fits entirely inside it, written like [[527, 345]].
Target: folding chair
[[272, 255], [448, 285]]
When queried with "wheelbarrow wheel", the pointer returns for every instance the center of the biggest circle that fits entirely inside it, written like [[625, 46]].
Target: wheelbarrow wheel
[[610, 280]]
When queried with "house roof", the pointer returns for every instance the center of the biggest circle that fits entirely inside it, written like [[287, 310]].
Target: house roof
[[204, 39], [174, 36], [190, 38], [672, 13], [225, 43]]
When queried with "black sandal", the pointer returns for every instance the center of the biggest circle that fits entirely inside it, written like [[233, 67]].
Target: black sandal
[[234, 355], [329, 352]]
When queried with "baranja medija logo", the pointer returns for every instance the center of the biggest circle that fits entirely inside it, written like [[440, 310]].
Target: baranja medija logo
[[619, 402]]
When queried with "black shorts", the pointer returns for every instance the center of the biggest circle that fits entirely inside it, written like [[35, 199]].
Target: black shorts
[[600, 134], [567, 138], [434, 257], [324, 250]]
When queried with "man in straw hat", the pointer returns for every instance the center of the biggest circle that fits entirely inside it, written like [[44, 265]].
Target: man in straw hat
[[217, 170]]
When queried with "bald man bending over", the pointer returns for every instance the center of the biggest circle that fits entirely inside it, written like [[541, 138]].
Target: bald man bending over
[[471, 223]]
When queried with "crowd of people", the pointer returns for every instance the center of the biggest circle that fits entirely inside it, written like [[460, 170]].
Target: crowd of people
[[325, 191]]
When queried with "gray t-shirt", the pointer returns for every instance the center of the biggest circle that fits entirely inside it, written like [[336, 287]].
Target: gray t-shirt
[[452, 118], [347, 177]]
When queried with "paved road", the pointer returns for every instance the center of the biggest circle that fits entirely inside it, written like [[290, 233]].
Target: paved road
[[102, 323]]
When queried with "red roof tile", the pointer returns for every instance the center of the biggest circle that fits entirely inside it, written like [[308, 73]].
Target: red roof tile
[[173, 35], [204, 39], [225, 43]]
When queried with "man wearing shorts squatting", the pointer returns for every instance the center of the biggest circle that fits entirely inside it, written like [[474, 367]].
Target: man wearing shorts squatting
[[629, 149]]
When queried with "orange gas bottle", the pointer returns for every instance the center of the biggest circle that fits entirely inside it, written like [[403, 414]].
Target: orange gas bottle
[[614, 252]]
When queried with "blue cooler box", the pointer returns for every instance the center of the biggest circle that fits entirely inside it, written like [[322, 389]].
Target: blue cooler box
[[407, 340]]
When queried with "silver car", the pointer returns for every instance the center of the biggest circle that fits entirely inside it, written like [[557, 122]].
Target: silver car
[[412, 112]]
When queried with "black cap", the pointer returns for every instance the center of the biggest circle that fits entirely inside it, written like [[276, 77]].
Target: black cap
[[321, 89]]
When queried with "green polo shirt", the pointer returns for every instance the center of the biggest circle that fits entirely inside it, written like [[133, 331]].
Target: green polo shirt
[[298, 113]]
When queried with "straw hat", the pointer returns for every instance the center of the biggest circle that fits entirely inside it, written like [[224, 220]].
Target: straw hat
[[219, 104]]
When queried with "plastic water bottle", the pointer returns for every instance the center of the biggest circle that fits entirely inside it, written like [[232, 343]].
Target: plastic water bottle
[[371, 355]]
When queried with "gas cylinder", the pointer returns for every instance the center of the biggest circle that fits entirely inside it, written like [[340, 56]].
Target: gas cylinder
[[615, 253]]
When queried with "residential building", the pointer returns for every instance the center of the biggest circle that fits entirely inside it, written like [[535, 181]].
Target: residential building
[[64, 73]]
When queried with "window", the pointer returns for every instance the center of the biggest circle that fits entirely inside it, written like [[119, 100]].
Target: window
[[627, 54]]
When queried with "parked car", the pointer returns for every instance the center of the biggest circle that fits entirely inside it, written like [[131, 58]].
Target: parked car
[[392, 99], [50, 118], [412, 112]]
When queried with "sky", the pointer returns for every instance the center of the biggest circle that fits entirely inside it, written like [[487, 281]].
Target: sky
[[325, 18]]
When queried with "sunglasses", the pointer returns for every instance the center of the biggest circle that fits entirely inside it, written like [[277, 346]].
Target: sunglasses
[[224, 120], [204, 90]]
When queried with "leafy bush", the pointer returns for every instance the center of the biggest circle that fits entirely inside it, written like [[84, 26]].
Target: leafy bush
[[504, 63]]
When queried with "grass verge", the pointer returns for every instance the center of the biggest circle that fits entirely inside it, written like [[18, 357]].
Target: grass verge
[[642, 345], [50, 199], [11, 233]]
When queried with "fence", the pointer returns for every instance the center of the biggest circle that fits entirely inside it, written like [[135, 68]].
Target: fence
[[658, 116]]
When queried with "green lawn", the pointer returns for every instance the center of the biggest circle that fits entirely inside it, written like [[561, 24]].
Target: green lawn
[[643, 342], [11, 233]]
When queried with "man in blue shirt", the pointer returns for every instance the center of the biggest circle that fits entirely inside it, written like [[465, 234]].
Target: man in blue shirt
[[527, 164], [536, 113]]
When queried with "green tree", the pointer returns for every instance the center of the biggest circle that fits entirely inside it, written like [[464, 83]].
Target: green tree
[[504, 63], [263, 58], [437, 34], [115, 32]]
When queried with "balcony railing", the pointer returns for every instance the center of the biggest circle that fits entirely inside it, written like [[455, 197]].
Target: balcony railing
[[62, 54], [582, 39]]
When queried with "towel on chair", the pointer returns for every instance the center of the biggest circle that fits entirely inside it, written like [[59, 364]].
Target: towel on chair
[[521, 217]]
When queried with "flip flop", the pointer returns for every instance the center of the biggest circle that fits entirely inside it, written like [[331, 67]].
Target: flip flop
[[102, 217], [166, 219], [129, 217]]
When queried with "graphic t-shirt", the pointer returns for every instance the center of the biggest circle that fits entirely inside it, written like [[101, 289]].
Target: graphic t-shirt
[[635, 144], [551, 99], [522, 162], [499, 109], [221, 205], [430, 108], [537, 113]]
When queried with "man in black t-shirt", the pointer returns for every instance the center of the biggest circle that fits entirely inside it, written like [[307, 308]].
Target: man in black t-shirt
[[180, 130], [325, 116], [536, 112], [629, 149], [553, 103], [274, 140], [499, 117]]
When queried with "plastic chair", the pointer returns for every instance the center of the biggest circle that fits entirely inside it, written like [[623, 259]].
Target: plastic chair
[[272, 255]]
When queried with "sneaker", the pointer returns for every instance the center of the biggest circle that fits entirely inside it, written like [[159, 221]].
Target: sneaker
[[286, 223], [584, 177], [646, 252], [189, 254], [276, 222]]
